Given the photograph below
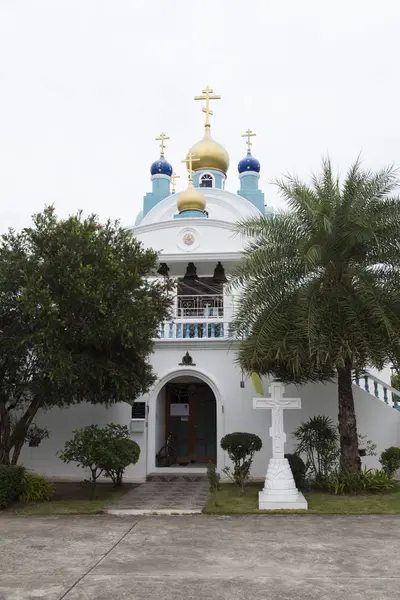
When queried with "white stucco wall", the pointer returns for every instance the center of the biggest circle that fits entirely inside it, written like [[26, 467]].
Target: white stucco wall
[[61, 424], [377, 420], [208, 236]]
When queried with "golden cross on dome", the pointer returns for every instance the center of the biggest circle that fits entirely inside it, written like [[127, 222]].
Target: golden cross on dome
[[207, 96], [162, 137], [173, 179], [248, 134], [189, 160]]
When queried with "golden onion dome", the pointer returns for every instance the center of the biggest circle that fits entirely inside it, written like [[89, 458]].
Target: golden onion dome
[[191, 199], [209, 154]]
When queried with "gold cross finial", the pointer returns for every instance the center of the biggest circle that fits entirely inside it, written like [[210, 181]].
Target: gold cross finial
[[248, 134], [207, 96], [162, 137], [173, 179], [189, 160]]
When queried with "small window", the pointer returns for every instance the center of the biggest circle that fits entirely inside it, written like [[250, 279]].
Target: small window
[[206, 180], [139, 410]]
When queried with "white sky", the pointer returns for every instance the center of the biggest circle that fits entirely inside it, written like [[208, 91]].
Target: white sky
[[86, 86]]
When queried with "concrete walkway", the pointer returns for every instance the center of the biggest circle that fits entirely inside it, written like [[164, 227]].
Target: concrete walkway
[[162, 497], [196, 558]]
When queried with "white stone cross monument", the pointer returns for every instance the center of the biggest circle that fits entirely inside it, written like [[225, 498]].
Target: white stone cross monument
[[279, 489]]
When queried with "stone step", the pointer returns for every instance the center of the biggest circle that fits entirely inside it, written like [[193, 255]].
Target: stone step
[[176, 477]]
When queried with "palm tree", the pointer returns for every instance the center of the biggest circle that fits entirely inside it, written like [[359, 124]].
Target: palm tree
[[319, 286]]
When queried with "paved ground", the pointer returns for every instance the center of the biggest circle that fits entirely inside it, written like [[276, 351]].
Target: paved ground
[[163, 497], [198, 558]]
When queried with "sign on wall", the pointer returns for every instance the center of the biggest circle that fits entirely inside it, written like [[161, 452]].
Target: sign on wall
[[179, 410]]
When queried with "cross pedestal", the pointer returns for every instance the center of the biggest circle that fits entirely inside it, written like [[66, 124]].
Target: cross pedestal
[[279, 489]]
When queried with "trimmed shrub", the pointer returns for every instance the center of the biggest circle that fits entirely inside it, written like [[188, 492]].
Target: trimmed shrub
[[11, 483], [241, 448], [298, 468], [121, 452], [36, 488], [390, 460], [367, 480]]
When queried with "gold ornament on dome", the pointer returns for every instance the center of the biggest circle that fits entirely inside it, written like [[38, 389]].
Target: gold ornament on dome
[[210, 154], [162, 137], [174, 177], [207, 96], [191, 199], [249, 134]]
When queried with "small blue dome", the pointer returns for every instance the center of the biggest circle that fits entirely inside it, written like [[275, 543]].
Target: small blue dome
[[161, 167], [249, 163]]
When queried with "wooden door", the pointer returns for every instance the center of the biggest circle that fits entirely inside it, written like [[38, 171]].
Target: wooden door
[[203, 422], [177, 421], [191, 417]]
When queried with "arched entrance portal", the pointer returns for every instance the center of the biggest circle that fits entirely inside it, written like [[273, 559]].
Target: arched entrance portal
[[186, 407]]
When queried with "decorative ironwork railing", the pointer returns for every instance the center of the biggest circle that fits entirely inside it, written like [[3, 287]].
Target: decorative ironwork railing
[[201, 306], [378, 388]]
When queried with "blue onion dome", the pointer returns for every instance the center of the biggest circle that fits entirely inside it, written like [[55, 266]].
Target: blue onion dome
[[161, 167], [249, 163]]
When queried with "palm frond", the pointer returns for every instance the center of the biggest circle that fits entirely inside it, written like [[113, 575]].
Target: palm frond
[[319, 284]]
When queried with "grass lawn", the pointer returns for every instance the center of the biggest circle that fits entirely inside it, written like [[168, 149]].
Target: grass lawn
[[318, 503], [72, 499]]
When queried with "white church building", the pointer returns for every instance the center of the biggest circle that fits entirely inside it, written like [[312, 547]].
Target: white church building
[[201, 393]]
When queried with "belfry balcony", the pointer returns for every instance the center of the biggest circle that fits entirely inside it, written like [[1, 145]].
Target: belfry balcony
[[199, 317], [201, 310]]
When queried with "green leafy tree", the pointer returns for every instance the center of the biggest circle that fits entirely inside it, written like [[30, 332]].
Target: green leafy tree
[[102, 450], [77, 318], [88, 448], [319, 286], [395, 382]]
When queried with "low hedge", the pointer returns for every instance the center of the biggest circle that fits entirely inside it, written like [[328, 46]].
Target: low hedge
[[11, 483], [36, 488]]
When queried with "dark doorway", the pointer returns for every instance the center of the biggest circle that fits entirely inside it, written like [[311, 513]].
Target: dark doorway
[[191, 416]]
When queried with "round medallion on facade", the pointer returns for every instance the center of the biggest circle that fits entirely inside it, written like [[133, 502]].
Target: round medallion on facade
[[188, 239]]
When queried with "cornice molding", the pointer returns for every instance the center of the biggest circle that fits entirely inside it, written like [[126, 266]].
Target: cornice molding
[[198, 256], [179, 223]]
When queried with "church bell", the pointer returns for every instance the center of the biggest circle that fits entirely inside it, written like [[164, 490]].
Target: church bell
[[191, 272], [163, 269], [219, 274]]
